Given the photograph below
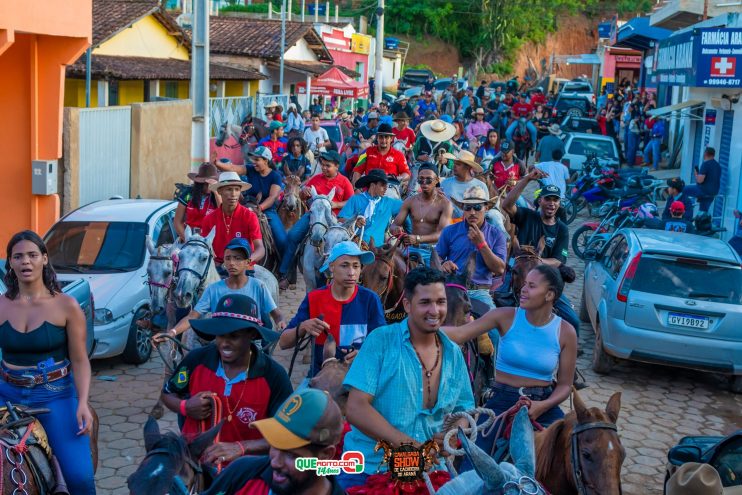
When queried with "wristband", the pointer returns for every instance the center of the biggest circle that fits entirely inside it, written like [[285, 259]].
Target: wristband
[[481, 245], [242, 448], [183, 408]]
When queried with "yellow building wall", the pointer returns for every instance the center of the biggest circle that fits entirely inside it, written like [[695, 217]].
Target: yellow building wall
[[131, 92], [183, 90], [234, 88], [145, 38], [74, 93], [254, 86]]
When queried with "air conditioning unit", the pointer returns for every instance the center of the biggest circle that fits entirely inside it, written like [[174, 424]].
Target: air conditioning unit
[[721, 103]]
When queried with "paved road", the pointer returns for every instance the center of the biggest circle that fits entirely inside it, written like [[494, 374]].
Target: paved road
[[659, 406]]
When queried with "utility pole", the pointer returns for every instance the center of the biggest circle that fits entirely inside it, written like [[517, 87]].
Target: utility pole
[[379, 82], [200, 83], [283, 44]]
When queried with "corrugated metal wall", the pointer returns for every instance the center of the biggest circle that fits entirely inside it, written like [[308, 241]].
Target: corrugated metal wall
[[105, 153]]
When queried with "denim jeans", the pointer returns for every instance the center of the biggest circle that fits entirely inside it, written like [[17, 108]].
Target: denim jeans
[[294, 237], [72, 450], [632, 145], [704, 201], [279, 232], [423, 251], [653, 146], [563, 308]]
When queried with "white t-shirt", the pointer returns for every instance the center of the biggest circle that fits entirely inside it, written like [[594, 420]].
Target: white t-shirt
[[558, 175], [311, 136]]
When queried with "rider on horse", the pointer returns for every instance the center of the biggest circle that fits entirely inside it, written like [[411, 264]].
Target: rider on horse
[[229, 379], [402, 383], [464, 168], [275, 142], [373, 210], [382, 156], [266, 187], [196, 201], [342, 309]]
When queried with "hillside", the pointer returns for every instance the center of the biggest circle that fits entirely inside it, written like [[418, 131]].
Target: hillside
[[442, 58]]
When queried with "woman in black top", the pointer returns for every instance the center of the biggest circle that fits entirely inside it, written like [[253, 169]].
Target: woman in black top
[[45, 362]]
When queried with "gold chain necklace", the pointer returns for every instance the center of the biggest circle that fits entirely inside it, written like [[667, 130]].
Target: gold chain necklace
[[232, 411]]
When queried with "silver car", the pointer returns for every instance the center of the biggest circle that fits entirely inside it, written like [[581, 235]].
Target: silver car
[[668, 298], [104, 242]]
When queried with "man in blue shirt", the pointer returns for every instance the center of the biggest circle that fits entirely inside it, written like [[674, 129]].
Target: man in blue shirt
[[708, 180], [675, 188], [406, 378], [657, 133], [375, 211]]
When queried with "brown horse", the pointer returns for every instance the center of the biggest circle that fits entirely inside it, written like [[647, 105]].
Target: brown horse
[[272, 259], [386, 275], [582, 453], [23, 441], [171, 464], [291, 207], [330, 377], [526, 259]]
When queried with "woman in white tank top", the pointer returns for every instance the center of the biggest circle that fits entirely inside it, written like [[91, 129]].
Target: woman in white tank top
[[537, 352]]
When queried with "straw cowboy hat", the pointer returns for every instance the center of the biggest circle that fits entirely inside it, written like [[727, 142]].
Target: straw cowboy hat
[[272, 104], [467, 158], [207, 173], [437, 131], [229, 179], [475, 195], [555, 129], [693, 478]]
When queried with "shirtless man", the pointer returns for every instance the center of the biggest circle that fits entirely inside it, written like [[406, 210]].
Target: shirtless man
[[430, 212]]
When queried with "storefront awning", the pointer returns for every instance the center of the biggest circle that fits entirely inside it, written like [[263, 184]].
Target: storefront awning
[[639, 35], [678, 107], [583, 59]]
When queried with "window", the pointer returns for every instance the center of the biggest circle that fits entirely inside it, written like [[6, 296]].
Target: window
[[615, 256], [171, 89], [113, 93], [603, 148], [163, 232], [359, 69]]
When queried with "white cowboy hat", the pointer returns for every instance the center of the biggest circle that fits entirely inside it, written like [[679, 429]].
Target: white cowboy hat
[[272, 104], [229, 179], [555, 129], [479, 111], [693, 478], [467, 158], [475, 195], [437, 130]]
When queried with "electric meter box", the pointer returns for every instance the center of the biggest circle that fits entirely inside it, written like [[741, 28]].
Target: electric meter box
[[44, 177]]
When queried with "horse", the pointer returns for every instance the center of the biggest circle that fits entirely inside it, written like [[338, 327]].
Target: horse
[[171, 464], [526, 258], [331, 375], [324, 232], [522, 139], [252, 131], [226, 145], [490, 477], [582, 453], [27, 463], [272, 259], [386, 275], [291, 207]]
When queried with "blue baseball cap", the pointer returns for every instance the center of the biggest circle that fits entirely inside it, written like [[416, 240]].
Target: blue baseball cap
[[240, 243], [348, 248], [447, 119]]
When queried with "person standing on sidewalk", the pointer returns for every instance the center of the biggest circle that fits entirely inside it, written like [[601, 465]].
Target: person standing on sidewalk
[[656, 133], [708, 180]]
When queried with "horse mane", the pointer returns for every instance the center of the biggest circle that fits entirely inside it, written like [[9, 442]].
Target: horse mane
[[550, 441], [527, 250]]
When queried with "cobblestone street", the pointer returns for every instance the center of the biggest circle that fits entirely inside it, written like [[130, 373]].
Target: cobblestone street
[[659, 405]]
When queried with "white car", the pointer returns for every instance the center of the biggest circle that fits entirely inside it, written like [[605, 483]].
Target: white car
[[104, 243], [578, 145], [580, 87]]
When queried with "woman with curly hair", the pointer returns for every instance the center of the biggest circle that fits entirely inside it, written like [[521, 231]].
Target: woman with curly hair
[[295, 162]]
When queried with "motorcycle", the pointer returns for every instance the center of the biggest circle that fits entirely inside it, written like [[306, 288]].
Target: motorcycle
[[594, 235]]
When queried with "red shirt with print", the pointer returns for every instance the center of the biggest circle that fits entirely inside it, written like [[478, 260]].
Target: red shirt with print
[[522, 109], [407, 135], [502, 173], [243, 222], [323, 185], [393, 162]]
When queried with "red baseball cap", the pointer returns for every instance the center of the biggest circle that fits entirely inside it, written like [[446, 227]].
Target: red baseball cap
[[677, 206]]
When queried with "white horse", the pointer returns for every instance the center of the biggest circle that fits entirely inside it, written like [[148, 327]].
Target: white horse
[[324, 232], [160, 273]]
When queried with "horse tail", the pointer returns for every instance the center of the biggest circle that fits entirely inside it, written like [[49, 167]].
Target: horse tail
[[547, 449]]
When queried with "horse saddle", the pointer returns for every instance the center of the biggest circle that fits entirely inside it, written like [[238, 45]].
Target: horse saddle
[[37, 453]]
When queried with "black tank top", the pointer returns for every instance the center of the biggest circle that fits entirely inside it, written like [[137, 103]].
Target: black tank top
[[31, 348]]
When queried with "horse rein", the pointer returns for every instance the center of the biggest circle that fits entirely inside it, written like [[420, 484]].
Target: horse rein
[[385, 292], [575, 450]]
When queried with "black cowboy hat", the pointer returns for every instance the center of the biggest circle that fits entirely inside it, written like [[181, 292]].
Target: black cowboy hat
[[384, 130], [233, 312], [374, 175]]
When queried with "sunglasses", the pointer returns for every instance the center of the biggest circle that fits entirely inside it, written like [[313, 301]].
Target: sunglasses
[[425, 180], [476, 207]]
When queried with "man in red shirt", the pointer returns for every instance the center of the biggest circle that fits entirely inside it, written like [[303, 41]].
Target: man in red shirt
[[328, 181], [383, 156], [232, 219], [522, 108], [402, 131]]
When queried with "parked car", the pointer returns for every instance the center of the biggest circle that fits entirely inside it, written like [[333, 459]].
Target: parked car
[[578, 145], [580, 124], [723, 453], [77, 288], [333, 131], [442, 84], [104, 243], [571, 104], [580, 87], [414, 77], [668, 298]]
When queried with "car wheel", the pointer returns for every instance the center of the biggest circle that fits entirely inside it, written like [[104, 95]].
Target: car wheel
[[584, 316], [580, 239], [138, 344], [602, 362], [735, 384], [575, 112]]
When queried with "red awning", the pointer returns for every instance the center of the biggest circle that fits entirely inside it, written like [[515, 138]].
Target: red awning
[[335, 83]]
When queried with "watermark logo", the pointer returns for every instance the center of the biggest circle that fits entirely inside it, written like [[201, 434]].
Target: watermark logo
[[350, 463]]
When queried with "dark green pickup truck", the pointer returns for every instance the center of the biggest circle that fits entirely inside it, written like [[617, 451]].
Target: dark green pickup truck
[[80, 290]]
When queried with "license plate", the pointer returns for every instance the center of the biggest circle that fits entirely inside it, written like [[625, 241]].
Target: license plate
[[689, 321]]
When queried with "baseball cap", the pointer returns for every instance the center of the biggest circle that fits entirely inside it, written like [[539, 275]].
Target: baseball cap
[[551, 190], [348, 248], [330, 156], [676, 183], [506, 146], [240, 243], [275, 125], [261, 152], [306, 417], [373, 115], [677, 206]]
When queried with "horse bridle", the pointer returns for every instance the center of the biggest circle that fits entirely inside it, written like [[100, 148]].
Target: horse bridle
[[386, 290], [327, 227], [575, 450], [171, 279], [178, 483], [201, 276]]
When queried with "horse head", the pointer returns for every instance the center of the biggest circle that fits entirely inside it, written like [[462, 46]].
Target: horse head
[[291, 198], [526, 259], [320, 216], [385, 275], [490, 477], [583, 452], [227, 130], [194, 260], [160, 272], [457, 297], [171, 465], [330, 377]]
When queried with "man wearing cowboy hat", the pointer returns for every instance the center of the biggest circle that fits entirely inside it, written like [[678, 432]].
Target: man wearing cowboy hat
[[374, 210], [232, 219], [474, 235], [549, 143], [309, 425], [275, 141], [196, 201], [402, 131], [229, 380], [693, 478], [401, 104], [464, 168], [270, 110], [383, 157], [436, 137]]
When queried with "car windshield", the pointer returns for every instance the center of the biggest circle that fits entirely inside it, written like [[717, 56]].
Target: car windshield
[[601, 147], [689, 279], [580, 125], [565, 103], [577, 88], [333, 131], [96, 247]]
